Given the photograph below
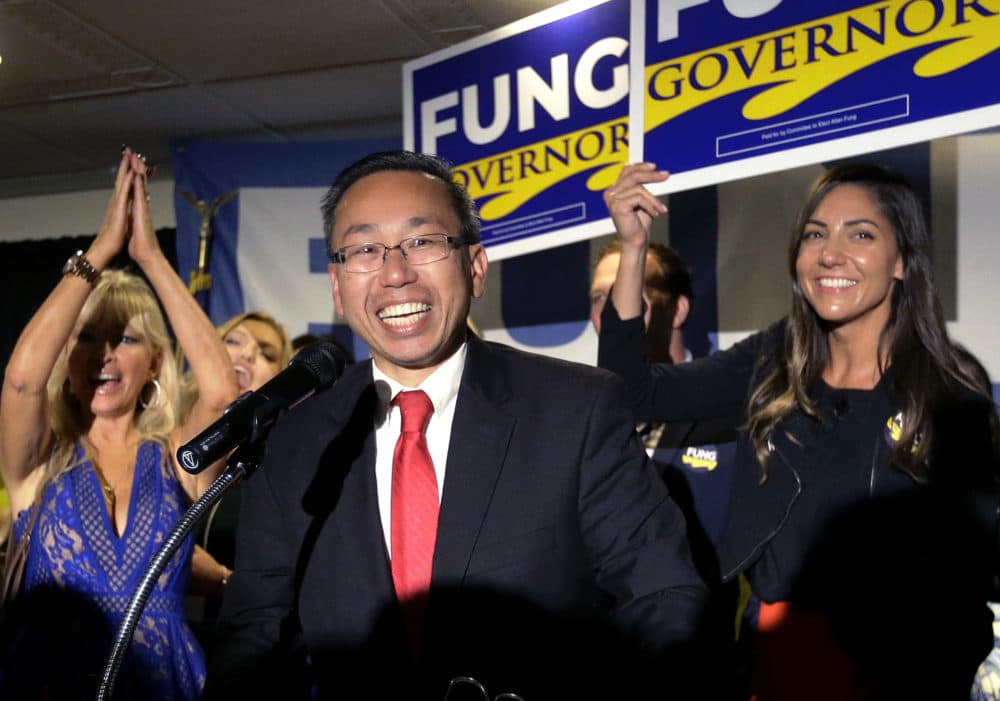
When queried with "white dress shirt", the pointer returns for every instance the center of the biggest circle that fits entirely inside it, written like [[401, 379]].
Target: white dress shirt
[[442, 388]]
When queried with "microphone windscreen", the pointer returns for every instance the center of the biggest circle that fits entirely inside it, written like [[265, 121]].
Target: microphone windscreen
[[323, 360]]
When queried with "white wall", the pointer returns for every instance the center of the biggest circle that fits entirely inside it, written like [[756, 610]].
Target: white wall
[[978, 186]]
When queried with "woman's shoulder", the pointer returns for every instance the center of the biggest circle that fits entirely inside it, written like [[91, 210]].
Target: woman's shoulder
[[966, 446], [957, 403]]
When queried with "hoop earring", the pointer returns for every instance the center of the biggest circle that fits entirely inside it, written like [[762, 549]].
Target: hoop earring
[[156, 397]]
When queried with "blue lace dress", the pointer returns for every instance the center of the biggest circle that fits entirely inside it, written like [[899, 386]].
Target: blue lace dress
[[77, 583]]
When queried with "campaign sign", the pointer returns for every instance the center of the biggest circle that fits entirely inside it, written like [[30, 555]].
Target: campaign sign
[[534, 116], [733, 88]]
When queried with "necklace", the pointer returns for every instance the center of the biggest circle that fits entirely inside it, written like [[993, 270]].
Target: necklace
[[107, 489]]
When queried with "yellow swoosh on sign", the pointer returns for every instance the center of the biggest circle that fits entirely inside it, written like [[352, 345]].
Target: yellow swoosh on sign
[[795, 63], [506, 181]]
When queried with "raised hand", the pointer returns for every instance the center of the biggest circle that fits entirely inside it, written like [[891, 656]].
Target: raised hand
[[142, 244], [632, 206], [113, 234]]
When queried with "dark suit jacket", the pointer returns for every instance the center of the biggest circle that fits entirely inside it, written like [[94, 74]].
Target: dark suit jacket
[[555, 542]]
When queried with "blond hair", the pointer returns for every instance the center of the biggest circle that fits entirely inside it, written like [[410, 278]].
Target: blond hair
[[286, 344], [121, 298], [189, 389]]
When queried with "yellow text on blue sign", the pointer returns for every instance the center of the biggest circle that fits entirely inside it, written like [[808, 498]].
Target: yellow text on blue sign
[[505, 181], [794, 63]]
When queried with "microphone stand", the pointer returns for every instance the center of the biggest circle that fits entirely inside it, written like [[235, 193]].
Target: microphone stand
[[241, 464]]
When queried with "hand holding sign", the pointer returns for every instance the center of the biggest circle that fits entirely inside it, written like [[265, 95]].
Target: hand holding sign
[[633, 208]]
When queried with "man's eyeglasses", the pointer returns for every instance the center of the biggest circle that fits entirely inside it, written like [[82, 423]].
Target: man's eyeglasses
[[417, 250]]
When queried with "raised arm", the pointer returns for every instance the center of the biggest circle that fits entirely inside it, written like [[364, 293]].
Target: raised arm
[[210, 364], [25, 437], [709, 388], [633, 208]]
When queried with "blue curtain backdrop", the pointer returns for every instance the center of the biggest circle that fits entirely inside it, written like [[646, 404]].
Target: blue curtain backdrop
[[210, 170]]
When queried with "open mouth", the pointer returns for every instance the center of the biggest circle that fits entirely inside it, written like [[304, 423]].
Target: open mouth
[[244, 377], [403, 314], [105, 382]]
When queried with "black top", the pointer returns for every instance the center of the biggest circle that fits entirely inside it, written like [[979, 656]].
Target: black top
[[902, 569], [840, 470]]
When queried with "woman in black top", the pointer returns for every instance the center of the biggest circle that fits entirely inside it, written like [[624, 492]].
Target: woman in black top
[[864, 508]]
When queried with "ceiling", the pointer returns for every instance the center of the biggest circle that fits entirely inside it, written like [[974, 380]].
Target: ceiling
[[78, 78]]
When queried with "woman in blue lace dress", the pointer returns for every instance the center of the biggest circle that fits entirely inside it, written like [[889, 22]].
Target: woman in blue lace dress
[[88, 432]]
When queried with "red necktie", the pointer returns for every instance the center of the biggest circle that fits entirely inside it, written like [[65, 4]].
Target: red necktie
[[415, 508]]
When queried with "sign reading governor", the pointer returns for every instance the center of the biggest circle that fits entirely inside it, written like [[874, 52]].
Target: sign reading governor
[[796, 62], [504, 181]]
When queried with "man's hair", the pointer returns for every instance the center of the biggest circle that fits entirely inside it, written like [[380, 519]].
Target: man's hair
[[673, 276], [436, 167]]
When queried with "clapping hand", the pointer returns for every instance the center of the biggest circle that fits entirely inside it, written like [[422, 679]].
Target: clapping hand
[[142, 242], [127, 220]]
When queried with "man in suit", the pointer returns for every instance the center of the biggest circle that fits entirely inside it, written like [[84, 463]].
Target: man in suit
[[558, 565]]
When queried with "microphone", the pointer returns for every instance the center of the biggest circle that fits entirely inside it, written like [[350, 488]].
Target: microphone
[[314, 368]]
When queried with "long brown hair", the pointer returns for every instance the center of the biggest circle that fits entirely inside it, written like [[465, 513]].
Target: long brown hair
[[926, 367]]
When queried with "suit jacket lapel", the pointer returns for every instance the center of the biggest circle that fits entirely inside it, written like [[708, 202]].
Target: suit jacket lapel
[[480, 434]]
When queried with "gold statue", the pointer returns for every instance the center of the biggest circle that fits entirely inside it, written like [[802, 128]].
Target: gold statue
[[201, 279]]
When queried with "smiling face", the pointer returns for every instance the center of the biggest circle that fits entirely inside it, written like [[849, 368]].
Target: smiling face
[[413, 317], [108, 365], [255, 348], [848, 262]]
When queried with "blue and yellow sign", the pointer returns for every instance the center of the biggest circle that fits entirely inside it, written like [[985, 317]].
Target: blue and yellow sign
[[702, 457], [733, 88], [535, 117]]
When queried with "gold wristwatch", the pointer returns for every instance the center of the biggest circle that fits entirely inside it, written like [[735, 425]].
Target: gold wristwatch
[[79, 265]]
